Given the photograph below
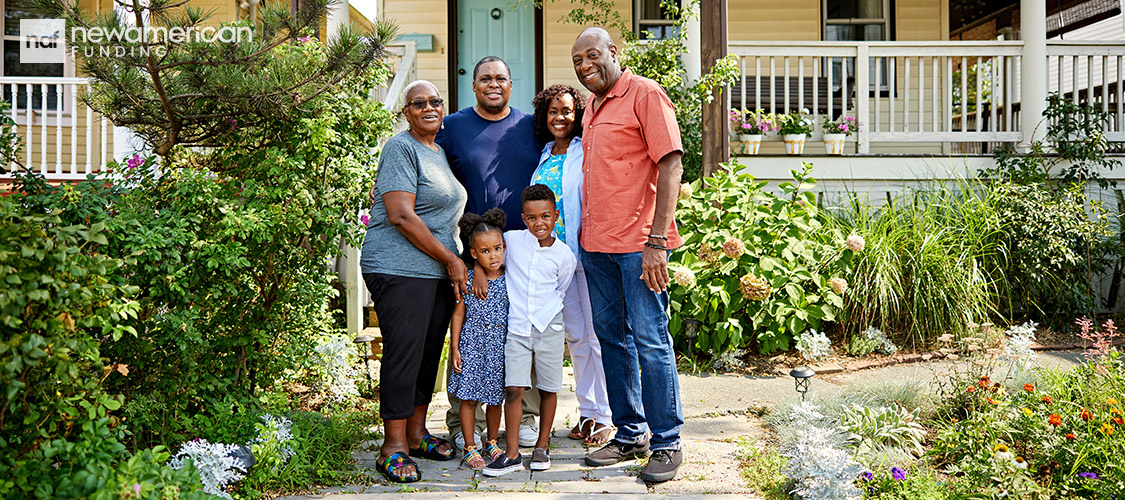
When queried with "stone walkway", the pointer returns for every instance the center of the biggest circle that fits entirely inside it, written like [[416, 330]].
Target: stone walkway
[[718, 409]]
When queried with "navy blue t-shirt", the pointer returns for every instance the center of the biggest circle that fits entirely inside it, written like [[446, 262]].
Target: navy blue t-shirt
[[494, 160]]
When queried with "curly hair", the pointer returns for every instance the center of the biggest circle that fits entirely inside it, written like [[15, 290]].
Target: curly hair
[[472, 224], [537, 192], [542, 102]]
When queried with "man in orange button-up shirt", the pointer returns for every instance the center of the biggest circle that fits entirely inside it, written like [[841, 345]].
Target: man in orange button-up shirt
[[631, 177]]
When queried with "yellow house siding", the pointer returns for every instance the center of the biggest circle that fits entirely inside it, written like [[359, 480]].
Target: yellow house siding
[[771, 20], [425, 16], [920, 20]]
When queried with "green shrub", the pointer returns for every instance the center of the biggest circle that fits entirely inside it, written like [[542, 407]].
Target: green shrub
[[755, 268], [60, 430], [227, 247], [1055, 242]]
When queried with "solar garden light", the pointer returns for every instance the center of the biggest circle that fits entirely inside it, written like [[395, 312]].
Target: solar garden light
[[365, 341], [801, 376]]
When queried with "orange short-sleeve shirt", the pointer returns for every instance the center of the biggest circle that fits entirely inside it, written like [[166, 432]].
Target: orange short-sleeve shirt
[[633, 129]]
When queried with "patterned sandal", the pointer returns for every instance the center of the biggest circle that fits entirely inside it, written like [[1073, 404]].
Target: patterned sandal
[[471, 457], [494, 452], [428, 449], [389, 467]]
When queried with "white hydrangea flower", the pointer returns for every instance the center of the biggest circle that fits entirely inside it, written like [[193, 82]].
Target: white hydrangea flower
[[855, 243]]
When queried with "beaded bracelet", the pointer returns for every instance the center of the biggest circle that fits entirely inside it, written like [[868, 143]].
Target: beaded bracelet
[[665, 238], [654, 245]]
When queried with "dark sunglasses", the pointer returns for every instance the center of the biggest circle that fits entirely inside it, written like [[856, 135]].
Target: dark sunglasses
[[420, 104]]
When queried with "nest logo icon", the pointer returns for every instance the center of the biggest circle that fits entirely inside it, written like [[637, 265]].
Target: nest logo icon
[[42, 41]]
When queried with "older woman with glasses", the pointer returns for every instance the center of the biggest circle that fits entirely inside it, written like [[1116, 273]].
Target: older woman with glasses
[[411, 266]]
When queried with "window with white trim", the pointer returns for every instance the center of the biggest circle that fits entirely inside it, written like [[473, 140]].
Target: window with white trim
[[857, 21], [651, 20]]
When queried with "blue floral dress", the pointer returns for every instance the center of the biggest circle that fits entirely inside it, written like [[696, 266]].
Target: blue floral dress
[[482, 346]]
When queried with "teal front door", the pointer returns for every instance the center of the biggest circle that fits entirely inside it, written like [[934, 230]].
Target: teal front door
[[496, 28]]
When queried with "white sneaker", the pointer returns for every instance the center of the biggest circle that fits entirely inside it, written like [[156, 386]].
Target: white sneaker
[[459, 440], [529, 435]]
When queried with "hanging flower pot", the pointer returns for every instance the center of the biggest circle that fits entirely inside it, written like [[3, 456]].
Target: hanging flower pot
[[834, 143], [751, 143], [794, 143]]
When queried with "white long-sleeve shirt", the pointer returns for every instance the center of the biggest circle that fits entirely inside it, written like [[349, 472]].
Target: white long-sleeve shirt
[[537, 279]]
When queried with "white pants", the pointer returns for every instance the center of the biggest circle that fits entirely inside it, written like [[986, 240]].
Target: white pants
[[585, 351]]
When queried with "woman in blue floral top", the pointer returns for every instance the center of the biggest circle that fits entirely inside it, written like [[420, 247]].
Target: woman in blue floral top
[[558, 119]]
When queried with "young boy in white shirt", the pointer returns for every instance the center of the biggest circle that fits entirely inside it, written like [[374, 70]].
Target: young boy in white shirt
[[539, 270]]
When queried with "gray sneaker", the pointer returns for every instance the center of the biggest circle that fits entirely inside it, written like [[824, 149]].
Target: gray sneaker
[[540, 459], [662, 466], [615, 451]]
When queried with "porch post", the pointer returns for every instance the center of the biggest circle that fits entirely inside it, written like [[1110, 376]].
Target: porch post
[[692, 59], [1033, 69], [713, 28]]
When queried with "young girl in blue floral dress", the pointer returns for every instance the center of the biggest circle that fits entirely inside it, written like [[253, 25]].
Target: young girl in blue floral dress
[[479, 328]]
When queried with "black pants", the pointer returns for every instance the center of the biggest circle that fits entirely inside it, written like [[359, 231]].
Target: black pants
[[414, 315]]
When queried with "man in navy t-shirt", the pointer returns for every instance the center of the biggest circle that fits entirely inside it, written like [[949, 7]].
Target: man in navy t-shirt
[[491, 147], [492, 150]]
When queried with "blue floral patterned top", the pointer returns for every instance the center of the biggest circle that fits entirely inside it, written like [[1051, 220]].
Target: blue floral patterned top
[[550, 174]]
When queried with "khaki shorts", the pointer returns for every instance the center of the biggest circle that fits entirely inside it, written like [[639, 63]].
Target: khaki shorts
[[543, 349]]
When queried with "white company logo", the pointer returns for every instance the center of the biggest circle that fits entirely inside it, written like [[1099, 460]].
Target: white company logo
[[41, 40]]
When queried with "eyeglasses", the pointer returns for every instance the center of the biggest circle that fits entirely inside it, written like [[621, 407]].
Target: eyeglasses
[[420, 104]]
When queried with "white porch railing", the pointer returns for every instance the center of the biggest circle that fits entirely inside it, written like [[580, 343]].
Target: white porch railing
[[921, 97], [63, 139]]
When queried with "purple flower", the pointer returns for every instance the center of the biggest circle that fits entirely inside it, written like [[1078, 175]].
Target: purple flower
[[1089, 475], [364, 219], [304, 39], [898, 473], [134, 162], [867, 476], [137, 488], [843, 127], [747, 126]]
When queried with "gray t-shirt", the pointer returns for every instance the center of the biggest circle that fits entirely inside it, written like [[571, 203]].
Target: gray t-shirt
[[408, 165]]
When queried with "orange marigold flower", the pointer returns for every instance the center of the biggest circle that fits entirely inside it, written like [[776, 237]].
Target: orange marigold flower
[[1086, 415], [984, 381], [1070, 436], [1118, 421], [1029, 387], [1028, 412], [1054, 420], [1106, 428], [1047, 399], [991, 401], [1111, 401], [971, 388], [1115, 411]]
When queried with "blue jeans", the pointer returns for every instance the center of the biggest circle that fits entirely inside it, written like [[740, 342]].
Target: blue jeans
[[631, 323]]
